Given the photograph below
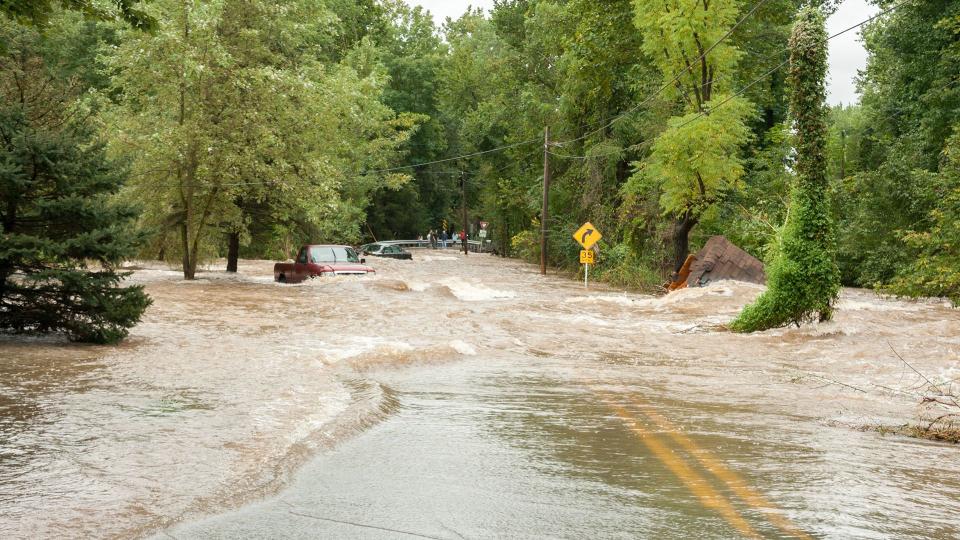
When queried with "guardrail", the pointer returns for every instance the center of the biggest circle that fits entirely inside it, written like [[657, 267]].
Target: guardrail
[[473, 245]]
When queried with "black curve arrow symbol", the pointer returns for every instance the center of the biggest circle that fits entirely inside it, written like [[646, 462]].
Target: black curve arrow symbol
[[585, 235]]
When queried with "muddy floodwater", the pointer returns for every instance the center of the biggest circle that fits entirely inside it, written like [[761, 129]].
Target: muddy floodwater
[[469, 397]]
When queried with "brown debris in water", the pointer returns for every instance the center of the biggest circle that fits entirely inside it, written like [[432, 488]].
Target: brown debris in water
[[719, 260]]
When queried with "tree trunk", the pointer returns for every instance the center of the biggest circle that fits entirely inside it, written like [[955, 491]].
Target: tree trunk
[[186, 192], [233, 251], [681, 239], [189, 270], [6, 265]]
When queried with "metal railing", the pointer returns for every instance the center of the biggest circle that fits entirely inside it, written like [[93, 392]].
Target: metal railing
[[473, 245]]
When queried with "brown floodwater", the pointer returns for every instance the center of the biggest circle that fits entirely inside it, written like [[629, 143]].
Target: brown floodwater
[[453, 396]]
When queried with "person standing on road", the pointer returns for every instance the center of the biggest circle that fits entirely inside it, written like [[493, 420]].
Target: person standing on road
[[443, 239]]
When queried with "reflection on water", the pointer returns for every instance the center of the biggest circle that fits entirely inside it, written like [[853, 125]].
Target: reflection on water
[[231, 382]]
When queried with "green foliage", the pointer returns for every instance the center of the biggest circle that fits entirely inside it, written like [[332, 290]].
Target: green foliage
[[751, 217], [233, 123], [413, 55], [678, 32], [58, 215], [876, 206], [40, 12], [621, 266], [803, 279], [526, 245], [893, 148], [694, 161], [935, 270], [574, 66]]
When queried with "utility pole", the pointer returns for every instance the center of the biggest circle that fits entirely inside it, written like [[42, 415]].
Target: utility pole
[[463, 209], [843, 154], [545, 213]]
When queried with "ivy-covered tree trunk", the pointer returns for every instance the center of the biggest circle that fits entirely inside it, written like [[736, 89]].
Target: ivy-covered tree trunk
[[803, 278]]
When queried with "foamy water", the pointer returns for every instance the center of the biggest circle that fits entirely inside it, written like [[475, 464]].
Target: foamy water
[[475, 292], [232, 381]]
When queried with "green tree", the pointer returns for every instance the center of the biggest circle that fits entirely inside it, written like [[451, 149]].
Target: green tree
[[225, 108], [895, 140], [413, 55], [803, 279], [694, 170], [58, 213], [935, 271], [40, 11]]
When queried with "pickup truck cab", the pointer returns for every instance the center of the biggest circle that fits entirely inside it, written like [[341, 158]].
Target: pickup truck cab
[[321, 260]]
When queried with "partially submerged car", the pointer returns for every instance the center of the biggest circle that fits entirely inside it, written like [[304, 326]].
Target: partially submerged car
[[386, 250], [321, 260]]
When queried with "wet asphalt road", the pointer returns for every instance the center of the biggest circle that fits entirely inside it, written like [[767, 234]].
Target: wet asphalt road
[[568, 447]]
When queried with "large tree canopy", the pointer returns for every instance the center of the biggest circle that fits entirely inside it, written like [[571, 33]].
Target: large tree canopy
[[232, 118]]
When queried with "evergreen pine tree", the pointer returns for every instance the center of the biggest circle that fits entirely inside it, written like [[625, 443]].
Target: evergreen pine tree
[[803, 278], [57, 215]]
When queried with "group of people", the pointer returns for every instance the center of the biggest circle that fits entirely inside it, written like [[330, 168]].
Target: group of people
[[443, 238]]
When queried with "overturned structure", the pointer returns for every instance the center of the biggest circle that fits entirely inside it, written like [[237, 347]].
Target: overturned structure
[[718, 260]]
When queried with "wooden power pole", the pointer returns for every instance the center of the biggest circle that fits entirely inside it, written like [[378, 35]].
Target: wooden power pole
[[545, 213], [463, 210], [843, 154]]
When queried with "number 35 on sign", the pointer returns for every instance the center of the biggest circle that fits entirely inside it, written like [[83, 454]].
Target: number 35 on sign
[[586, 256]]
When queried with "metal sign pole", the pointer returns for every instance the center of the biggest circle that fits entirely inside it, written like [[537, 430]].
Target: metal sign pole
[[586, 276]]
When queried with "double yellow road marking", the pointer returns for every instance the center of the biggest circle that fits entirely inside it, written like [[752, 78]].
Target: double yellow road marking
[[690, 478], [696, 482]]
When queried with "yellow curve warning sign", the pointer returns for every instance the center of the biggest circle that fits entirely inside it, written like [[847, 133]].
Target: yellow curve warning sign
[[587, 235]]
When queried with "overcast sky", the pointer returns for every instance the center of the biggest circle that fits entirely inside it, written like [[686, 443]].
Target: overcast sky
[[846, 52]]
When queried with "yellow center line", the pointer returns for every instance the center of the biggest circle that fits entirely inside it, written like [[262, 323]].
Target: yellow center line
[[734, 481], [694, 482]]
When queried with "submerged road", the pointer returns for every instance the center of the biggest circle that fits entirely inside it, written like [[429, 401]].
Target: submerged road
[[454, 397]]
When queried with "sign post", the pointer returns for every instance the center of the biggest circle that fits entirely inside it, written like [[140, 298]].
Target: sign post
[[482, 233], [586, 259], [587, 236]]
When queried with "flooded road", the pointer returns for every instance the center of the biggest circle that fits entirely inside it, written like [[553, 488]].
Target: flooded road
[[452, 397]]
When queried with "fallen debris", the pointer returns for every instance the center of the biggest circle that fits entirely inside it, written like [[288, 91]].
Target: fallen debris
[[719, 260]]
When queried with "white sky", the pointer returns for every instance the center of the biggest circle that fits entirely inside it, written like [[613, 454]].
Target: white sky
[[846, 52], [441, 9]]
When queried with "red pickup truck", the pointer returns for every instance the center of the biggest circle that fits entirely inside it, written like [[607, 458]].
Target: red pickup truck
[[321, 260]]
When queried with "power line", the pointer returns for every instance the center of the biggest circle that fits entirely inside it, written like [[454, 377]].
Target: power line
[[618, 117], [741, 91], [684, 71], [447, 160], [269, 183], [662, 88], [675, 78]]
